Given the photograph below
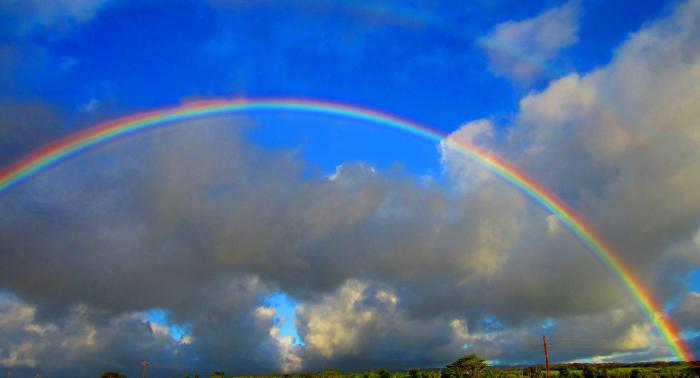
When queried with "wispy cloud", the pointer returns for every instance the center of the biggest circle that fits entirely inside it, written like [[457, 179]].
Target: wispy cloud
[[524, 50]]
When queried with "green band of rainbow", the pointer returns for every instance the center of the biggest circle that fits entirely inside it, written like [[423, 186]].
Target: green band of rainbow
[[60, 150]]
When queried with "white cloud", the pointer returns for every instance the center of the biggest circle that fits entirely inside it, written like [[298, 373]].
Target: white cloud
[[39, 13], [67, 62], [335, 325], [469, 175], [90, 105], [619, 142], [362, 322], [523, 50], [552, 224], [637, 337], [289, 354], [621, 145]]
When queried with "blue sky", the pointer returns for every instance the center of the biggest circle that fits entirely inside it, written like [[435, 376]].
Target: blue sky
[[419, 62], [592, 97], [137, 56]]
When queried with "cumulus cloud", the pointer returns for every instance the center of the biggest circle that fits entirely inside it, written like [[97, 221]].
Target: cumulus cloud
[[362, 323], [524, 50], [466, 173], [601, 140], [620, 144], [79, 339]]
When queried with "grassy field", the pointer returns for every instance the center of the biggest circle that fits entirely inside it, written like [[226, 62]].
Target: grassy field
[[645, 369], [473, 367]]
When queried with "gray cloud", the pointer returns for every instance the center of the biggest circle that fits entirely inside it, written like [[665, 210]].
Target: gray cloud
[[173, 220], [26, 124]]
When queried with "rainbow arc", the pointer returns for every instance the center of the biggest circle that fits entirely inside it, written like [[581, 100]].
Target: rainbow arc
[[73, 145]]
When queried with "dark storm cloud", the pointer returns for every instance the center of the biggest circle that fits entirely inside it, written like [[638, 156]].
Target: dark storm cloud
[[196, 221], [169, 220], [197, 203]]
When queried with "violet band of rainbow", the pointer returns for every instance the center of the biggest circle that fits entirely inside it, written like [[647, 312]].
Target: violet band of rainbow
[[72, 145]]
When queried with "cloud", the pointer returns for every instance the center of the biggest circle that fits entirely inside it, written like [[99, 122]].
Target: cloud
[[363, 325], [524, 50], [687, 314], [214, 224], [466, 173], [29, 29], [25, 124], [620, 145], [602, 141], [25, 17], [90, 105], [81, 336]]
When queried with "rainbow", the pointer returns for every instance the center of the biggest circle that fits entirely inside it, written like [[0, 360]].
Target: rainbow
[[72, 145]]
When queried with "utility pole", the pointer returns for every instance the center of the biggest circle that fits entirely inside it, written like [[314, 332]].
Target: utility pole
[[144, 367], [546, 354]]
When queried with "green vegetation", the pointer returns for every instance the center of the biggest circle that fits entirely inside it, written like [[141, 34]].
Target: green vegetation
[[112, 374], [471, 366]]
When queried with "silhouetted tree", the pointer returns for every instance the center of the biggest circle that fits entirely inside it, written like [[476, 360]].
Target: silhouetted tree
[[112, 374], [470, 366]]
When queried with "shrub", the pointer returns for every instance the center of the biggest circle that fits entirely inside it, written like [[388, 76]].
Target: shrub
[[112, 374], [467, 366], [589, 372]]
